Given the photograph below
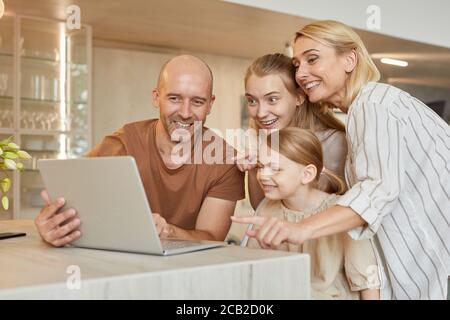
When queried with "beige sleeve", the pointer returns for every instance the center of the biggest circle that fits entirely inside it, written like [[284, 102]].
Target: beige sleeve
[[335, 153], [360, 264], [252, 243], [265, 209]]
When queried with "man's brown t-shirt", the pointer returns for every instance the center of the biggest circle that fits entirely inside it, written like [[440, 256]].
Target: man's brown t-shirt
[[176, 194]]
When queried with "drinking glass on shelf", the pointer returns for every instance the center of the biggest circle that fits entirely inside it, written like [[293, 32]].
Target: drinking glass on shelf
[[52, 121], [9, 118], [44, 88], [48, 122], [35, 86], [64, 123], [6, 119], [84, 95], [32, 119], [40, 120], [55, 89], [25, 122]]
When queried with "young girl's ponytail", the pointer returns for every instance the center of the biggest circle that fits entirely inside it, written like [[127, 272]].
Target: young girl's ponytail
[[335, 184]]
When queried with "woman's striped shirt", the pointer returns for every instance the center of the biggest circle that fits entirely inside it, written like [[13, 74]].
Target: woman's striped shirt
[[398, 170]]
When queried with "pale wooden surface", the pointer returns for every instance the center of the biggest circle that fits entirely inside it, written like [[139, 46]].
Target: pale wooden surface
[[29, 268]]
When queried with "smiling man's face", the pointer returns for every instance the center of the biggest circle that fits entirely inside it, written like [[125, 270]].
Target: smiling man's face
[[184, 94]]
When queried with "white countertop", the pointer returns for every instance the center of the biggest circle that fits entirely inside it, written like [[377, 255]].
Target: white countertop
[[31, 269]]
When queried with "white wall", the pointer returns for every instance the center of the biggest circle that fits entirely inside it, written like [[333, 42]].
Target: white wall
[[423, 21], [429, 94], [123, 81]]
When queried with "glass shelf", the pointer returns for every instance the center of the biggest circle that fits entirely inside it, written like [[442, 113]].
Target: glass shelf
[[50, 116], [42, 151], [50, 132], [43, 101], [56, 63], [48, 101], [6, 55], [6, 131]]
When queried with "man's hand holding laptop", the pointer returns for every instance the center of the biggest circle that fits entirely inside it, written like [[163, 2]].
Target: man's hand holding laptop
[[55, 227], [60, 228]]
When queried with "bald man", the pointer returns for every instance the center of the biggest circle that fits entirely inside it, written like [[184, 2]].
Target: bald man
[[188, 200]]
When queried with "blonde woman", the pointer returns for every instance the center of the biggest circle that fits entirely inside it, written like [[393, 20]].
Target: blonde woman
[[397, 166], [275, 101]]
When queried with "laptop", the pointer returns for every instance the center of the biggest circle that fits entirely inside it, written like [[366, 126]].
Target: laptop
[[110, 200]]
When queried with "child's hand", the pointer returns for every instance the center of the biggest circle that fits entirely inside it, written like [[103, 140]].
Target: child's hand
[[271, 232], [246, 160]]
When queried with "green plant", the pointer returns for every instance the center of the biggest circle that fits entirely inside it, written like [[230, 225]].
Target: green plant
[[10, 157]]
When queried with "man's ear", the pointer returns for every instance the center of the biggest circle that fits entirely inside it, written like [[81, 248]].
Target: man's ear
[[213, 98], [351, 59], [155, 94], [309, 174]]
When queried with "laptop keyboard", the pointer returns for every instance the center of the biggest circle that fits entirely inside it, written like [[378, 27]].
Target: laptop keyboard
[[177, 244]]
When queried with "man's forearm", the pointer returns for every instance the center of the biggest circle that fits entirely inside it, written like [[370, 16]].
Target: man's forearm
[[336, 219], [177, 232]]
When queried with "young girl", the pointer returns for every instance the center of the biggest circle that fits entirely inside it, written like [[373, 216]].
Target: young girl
[[288, 173], [275, 101]]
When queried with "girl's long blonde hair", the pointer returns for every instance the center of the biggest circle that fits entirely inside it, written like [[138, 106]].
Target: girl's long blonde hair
[[303, 147], [308, 115], [344, 39]]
